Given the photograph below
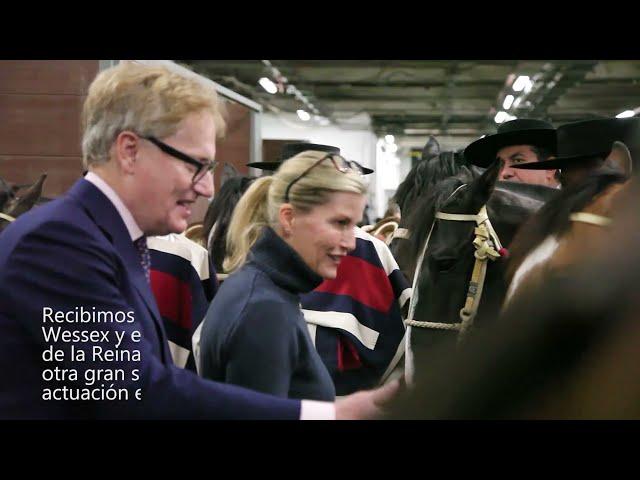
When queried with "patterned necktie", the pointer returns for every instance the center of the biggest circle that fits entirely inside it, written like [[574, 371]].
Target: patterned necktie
[[145, 257]]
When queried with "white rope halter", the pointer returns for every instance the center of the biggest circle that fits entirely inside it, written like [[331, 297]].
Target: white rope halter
[[487, 246], [590, 218], [6, 217]]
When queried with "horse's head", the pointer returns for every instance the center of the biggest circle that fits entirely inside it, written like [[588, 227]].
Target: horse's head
[[450, 277], [448, 259], [18, 205]]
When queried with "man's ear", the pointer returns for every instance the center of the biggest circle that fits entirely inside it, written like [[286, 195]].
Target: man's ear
[[126, 150], [286, 216]]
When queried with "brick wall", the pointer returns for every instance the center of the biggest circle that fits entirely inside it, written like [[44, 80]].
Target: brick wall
[[40, 105]]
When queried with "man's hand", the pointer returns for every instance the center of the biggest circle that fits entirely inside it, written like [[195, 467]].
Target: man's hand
[[367, 404]]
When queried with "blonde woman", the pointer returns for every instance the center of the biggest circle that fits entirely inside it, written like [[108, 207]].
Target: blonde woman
[[288, 233]]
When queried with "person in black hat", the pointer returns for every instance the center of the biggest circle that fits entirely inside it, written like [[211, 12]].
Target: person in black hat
[[292, 149], [517, 141], [584, 145]]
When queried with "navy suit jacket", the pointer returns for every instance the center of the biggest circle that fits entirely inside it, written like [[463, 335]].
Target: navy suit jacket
[[75, 252]]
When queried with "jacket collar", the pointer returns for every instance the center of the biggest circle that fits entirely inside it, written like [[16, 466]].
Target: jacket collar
[[107, 218], [283, 264], [125, 214]]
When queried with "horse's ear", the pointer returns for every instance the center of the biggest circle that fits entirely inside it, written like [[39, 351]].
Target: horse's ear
[[483, 185], [619, 159], [228, 172], [25, 202], [431, 148], [435, 145]]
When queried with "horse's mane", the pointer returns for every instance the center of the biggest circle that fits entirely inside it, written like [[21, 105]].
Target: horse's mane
[[553, 217], [219, 213], [423, 214], [425, 175]]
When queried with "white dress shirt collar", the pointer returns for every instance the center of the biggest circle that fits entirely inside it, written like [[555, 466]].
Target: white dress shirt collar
[[132, 226]]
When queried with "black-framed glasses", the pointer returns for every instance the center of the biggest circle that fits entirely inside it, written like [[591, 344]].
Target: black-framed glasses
[[339, 162], [202, 168]]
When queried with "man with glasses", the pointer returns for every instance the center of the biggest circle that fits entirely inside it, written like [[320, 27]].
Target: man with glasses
[[77, 316], [182, 277]]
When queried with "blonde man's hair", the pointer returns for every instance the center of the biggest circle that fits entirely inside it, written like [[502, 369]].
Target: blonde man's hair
[[260, 205], [151, 101]]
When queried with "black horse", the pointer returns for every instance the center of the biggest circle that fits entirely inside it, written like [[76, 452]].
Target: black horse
[[443, 285]]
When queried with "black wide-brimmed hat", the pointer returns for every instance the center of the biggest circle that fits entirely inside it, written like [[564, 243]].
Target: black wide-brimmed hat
[[522, 131], [587, 139], [292, 149]]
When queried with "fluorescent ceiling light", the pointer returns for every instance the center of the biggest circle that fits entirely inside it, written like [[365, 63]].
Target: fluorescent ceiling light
[[268, 85], [304, 116], [528, 86], [501, 117], [626, 114], [508, 101], [417, 131], [521, 82], [517, 102], [389, 138]]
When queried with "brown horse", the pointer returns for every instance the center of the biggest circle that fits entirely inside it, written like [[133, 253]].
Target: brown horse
[[14, 206], [571, 226]]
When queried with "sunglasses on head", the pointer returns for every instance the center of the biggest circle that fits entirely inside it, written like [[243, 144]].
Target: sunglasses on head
[[339, 162]]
